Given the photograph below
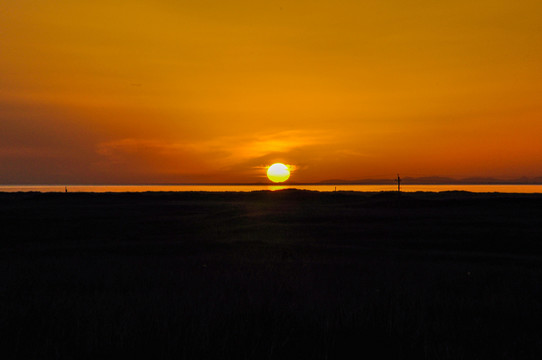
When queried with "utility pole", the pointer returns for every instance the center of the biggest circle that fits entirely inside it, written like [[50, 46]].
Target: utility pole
[[398, 183]]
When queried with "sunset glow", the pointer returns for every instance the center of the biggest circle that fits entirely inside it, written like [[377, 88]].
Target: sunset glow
[[139, 92]]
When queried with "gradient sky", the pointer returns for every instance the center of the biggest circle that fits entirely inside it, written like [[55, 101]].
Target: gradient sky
[[170, 91]]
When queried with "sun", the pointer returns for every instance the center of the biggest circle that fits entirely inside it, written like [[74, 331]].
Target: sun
[[278, 173]]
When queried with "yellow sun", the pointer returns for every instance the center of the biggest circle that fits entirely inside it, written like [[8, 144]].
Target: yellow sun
[[278, 172]]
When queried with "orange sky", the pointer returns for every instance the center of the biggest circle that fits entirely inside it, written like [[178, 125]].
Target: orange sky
[[214, 91]]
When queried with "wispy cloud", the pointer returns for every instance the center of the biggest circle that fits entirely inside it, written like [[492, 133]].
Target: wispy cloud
[[117, 148], [244, 155], [241, 148]]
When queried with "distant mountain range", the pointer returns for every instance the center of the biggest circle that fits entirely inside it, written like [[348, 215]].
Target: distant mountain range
[[438, 180]]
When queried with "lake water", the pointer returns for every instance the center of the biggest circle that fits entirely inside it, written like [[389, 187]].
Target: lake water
[[236, 188]]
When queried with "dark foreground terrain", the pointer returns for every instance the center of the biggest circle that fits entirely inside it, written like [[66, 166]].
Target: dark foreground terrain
[[271, 275]]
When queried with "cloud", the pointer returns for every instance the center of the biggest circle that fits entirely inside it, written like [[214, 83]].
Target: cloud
[[262, 145], [231, 158], [151, 159], [117, 149]]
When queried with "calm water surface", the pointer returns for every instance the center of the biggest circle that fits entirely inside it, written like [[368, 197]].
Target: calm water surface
[[235, 188]]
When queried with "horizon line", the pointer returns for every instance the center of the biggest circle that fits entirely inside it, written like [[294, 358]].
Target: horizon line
[[390, 183]]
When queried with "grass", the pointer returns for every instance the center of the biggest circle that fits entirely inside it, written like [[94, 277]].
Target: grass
[[290, 274]]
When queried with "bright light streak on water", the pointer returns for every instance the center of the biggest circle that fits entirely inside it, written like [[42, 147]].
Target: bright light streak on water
[[246, 188]]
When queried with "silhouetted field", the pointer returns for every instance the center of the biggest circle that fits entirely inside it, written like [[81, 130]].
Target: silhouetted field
[[271, 275]]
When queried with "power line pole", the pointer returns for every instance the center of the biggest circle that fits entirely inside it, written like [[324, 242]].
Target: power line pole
[[398, 183]]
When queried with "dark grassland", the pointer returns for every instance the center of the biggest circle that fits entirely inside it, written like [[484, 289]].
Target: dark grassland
[[271, 275]]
